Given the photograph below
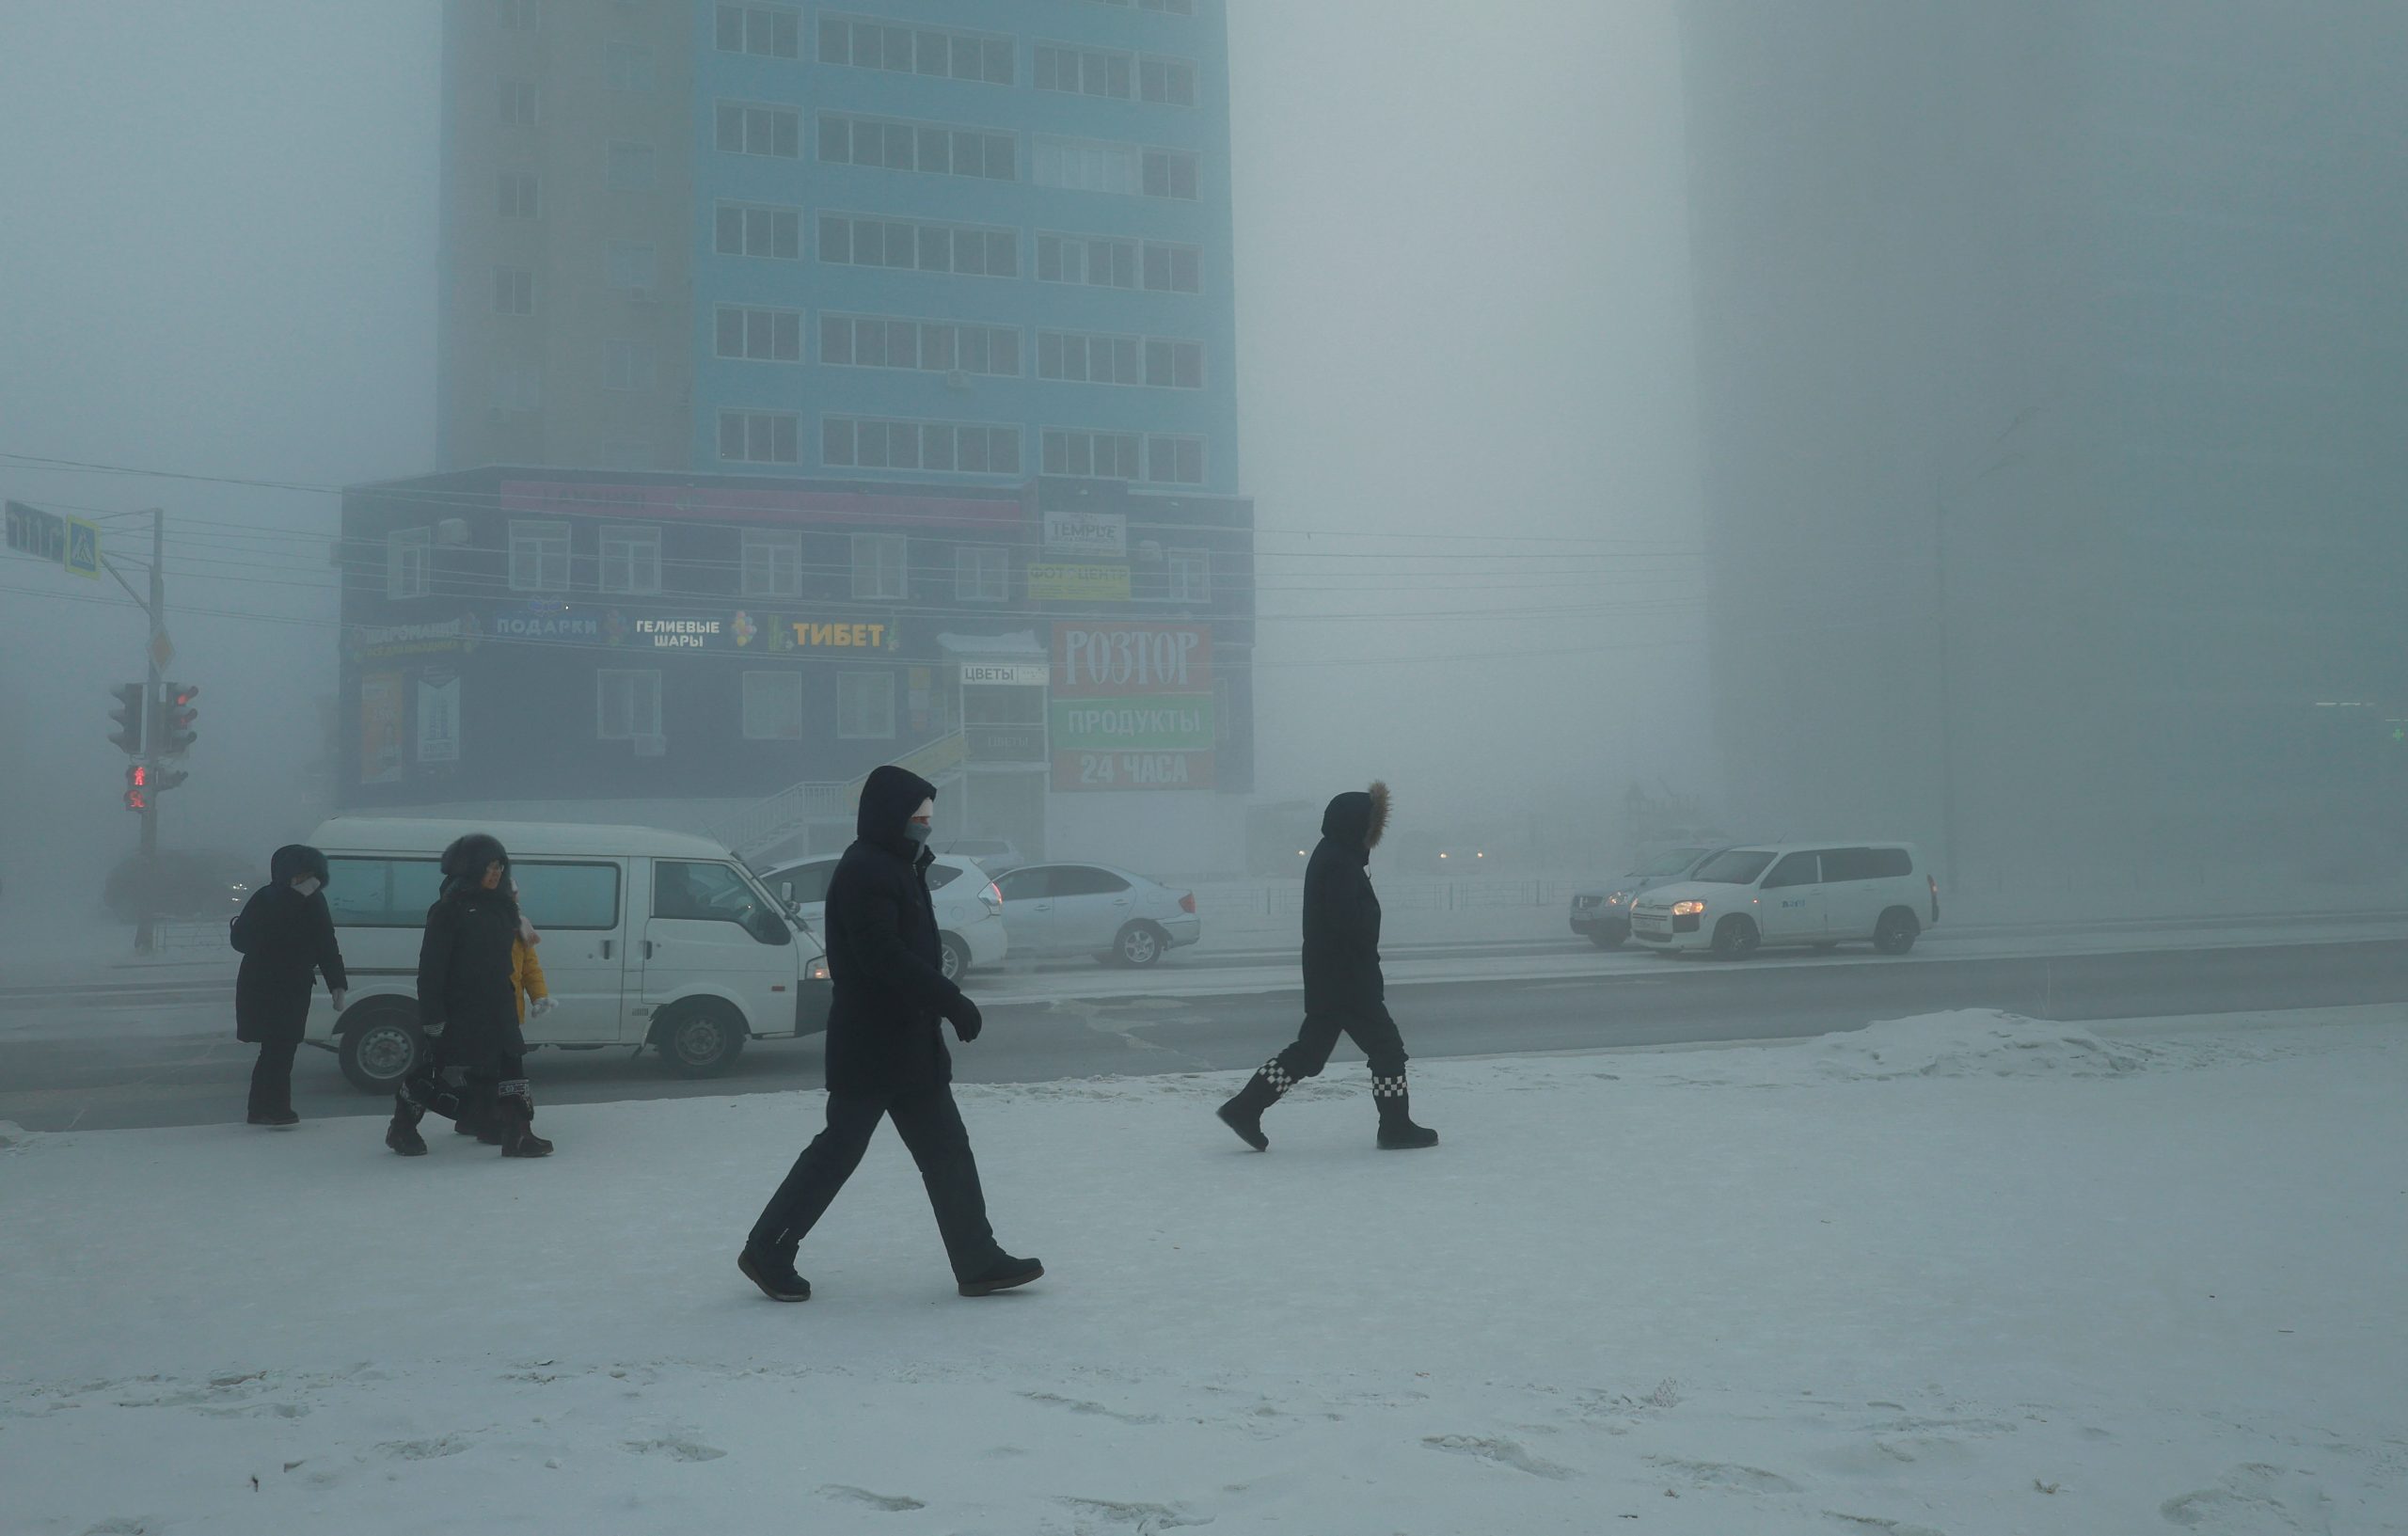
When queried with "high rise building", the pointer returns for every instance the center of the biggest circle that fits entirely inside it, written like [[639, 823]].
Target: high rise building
[[2050, 388]]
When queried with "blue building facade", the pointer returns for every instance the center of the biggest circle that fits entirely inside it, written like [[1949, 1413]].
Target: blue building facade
[[934, 251]]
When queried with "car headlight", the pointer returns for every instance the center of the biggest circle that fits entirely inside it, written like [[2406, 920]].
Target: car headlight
[[1621, 898], [1688, 908]]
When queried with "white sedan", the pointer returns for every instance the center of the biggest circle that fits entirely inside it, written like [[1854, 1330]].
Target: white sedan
[[968, 907], [1117, 917]]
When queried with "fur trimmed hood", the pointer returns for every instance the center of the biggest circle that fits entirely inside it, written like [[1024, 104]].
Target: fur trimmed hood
[[1358, 818]]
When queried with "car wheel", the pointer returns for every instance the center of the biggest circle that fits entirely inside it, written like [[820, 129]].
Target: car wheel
[[1607, 940], [1140, 944], [1734, 938], [701, 1040], [381, 1050], [1897, 932], [957, 958]]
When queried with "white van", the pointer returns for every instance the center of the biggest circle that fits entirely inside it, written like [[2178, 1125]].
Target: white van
[[968, 907], [649, 939], [1814, 894]]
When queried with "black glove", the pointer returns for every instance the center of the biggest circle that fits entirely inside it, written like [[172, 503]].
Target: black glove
[[967, 1020]]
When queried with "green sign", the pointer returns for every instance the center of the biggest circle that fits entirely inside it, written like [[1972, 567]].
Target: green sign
[[1141, 722]]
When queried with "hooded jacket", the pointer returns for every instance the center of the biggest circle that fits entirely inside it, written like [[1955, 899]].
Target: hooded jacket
[[466, 970], [885, 960], [1342, 912], [286, 940]]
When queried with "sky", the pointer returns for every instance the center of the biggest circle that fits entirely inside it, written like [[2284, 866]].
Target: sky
[[218, 261]]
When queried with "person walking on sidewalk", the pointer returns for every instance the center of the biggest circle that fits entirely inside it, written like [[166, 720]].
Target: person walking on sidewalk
[[1345, 991], [533, 996], [287, 939], [886, 1057], [465, 994]]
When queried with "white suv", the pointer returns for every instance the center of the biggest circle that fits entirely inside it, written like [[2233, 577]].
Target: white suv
[[1814, 894], [970, 910]]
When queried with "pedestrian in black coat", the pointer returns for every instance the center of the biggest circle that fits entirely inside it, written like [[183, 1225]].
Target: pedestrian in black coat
[[287, 939], [467, 1007], [886, 1057], [1345, 991]]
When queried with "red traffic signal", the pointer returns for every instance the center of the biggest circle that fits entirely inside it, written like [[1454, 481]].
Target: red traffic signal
[[176, 713]]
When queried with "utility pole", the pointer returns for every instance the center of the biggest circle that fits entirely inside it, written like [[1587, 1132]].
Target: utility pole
[[154, 695], [1947, 693]]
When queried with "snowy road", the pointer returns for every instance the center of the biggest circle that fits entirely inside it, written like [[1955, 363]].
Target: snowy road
[[150, 1064]]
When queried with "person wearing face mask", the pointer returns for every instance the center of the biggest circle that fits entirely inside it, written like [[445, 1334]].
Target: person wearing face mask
[[286, 934], [1345, 992], [886, 1057], [467, 1003]]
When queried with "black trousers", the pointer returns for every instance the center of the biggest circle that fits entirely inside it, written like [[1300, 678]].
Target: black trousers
[[1371, 1030], [272, 1077], [932, 1127]]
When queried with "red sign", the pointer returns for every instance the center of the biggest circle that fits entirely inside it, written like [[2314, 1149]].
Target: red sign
[[1160, 668]]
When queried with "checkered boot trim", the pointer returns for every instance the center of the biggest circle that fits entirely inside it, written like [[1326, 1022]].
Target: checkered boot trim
[[1387, 1087], [515, 1087], [1280, 1079]]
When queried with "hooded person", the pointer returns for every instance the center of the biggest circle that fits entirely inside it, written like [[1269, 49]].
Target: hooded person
[[532, 994], [286, 936], [1345, 991], [886, 1055], [467, 1004]]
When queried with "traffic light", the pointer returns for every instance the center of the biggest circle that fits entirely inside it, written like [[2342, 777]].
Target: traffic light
[[175, 715], [128, 715], [137, 786]]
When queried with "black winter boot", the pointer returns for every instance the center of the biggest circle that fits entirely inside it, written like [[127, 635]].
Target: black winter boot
[[519, 1138], [1243, 1114], [1397, 1132], [772, 1270], [402, 1135], [1003, 1274]]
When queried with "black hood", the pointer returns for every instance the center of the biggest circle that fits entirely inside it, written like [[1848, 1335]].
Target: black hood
[[888, 799], [295, 859], [464, 861], [1357, 818]]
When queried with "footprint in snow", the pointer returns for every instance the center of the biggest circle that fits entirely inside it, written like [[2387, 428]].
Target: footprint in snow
[[891, 1503], [1500, 1452], [1141, 1519], [2254, 1499], [678, 1448], [1746, 1480]]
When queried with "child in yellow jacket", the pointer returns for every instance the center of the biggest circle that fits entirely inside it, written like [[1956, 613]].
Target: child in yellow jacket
[[533, 997]]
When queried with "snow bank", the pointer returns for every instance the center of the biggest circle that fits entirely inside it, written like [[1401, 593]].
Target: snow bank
[[1958, 1276]]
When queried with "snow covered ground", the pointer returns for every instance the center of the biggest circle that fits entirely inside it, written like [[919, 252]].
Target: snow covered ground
[[1959, 1274]]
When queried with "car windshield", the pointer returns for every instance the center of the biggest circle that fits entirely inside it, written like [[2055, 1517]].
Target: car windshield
[[1668, 863], [1739, 867]]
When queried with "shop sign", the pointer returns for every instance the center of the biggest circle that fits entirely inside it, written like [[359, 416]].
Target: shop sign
[[438, 717], [1160, 722], [1128, 771], [839, 635], [682, 634], [1104, 533], [566, 627], [377, 642], [380, 728], [1107, 660], [1007, 673], [1078, 583]]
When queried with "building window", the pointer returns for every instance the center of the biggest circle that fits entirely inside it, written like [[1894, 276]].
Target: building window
[[931, 149], [1091, 455], [1169, 80], [408, 553], [634, 266], [628, 65], [631, 559], [981, 573], [1080, 358], [521, 15], [966, 250], [626, 706], [518, 193], [865, 705], [758, 436], [746, 230], [770, 31], [759, 130], [1191, 576], [965, 448], [1173, 365], [938, 346], [1084, 71], [1078, 164], [762, 335], [632, 167], [1174, 269], [877, 45], [1170, 173], [514, 291], [1096, 260], [517, 385], [772, 563], [630, 365], [539, 556], [773, 706], [1174, 460], [877, 566], [518, 103]]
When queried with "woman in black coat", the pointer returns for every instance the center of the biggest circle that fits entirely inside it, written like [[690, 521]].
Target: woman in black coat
[[287, 939], [467, 1007], [1345, 991]]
